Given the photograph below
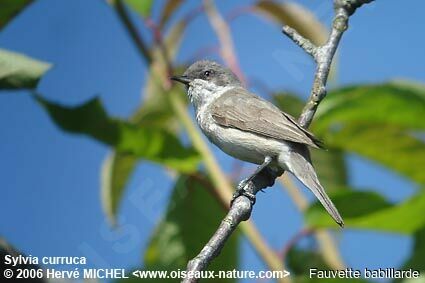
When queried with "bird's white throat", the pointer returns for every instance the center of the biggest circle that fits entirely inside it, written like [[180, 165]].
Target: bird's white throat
[[201, 93]]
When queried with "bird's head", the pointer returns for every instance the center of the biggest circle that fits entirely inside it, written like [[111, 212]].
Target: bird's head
[[208, 72]]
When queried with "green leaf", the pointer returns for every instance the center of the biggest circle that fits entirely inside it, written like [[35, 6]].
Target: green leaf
[[155, 112], [391, 103], [116, 171], [379, 122], [416, 260], [142, 7], [155, 96], [367, 210], [151, 143], [289, 103], [329, 164], [295, 16], [118, 167], [170, 7], [156, 107], [191, 219], [351, 204], [331, 168], [10, 8], [301, 260], [18, 71], [391, 146]]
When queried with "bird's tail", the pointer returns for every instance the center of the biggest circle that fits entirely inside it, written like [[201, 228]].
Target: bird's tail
[[300, 165]]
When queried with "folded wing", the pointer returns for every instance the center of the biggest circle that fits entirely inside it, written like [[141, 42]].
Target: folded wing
[[247, 112]]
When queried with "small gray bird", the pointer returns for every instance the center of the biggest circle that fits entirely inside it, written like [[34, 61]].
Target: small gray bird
[[251, 129]]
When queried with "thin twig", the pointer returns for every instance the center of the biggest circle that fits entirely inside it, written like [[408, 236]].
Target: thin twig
[[324, 55], [157, 35], [242, 207], [192, 14], [301, 41], [134, 34]]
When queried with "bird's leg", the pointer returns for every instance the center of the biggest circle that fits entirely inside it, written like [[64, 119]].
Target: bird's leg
[[240, 189], [260, 168]]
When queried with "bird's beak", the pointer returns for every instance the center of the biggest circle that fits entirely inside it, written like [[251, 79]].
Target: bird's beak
[[182, 79]]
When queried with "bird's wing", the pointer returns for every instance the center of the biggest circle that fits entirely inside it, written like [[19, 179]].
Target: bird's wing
[[242, 110]]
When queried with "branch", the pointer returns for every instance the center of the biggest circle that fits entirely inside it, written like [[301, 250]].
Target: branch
[[242, 207], [301, 41], [324, 55]]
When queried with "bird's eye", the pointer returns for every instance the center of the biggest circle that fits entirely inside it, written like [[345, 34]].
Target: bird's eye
[[207, 74]]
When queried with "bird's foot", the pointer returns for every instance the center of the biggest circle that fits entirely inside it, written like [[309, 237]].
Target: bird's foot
[[240, 191]]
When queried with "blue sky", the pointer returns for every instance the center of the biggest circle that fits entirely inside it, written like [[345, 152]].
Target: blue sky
[[50, 179]]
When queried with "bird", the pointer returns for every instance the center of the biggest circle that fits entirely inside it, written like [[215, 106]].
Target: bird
[[250, 128]]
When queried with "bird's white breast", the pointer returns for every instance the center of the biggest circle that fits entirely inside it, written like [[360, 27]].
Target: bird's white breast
[[239, 144]]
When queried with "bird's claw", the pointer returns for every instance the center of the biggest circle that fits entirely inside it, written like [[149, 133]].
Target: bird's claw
[[240, 191]]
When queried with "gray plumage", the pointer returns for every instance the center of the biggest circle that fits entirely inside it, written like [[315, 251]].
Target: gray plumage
[[250, 128], [242, 110], [222, 76]]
